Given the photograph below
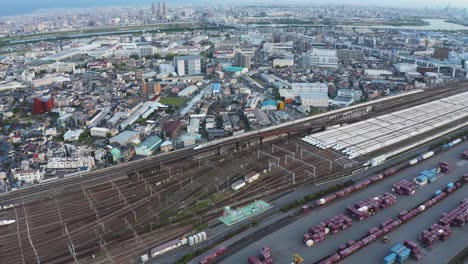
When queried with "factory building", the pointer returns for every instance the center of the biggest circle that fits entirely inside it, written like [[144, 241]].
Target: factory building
[[148, 146], [320, 58]]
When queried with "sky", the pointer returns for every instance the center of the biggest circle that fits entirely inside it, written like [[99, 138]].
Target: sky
[[15, 7]]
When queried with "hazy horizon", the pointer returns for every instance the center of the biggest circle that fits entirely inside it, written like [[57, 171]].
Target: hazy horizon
[[19, 7]]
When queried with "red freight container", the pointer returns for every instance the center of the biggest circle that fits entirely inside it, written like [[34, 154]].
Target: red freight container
[[386, 223], [331, 260], [377, 177], [368, 239], [325, 199], [212, 256], [372, 230], [350, 250], [253, 260], [404, 187], [390, 172], [379, 233], [391, 226], [361, 185]]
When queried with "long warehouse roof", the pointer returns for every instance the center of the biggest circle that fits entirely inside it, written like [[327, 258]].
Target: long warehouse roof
[[369, 135]]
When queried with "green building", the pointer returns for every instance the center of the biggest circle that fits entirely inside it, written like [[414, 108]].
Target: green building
[[149, 146]]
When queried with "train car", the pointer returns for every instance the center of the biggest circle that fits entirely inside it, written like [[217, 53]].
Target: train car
[[331, 259], [6, 222], [163, 248], [8, 206], [211, 257]]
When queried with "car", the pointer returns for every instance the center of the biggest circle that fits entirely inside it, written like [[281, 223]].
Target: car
[[385, 239]]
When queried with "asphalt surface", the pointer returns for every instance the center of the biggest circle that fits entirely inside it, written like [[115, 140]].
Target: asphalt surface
[[288, 240]]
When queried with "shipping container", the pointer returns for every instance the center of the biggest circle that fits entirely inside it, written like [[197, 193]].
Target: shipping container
[[325, 199], [465, 154], [390, 259], [331, 259], [428, 155]]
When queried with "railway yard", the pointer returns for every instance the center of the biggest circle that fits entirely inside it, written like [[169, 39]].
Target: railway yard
[[116, 215]]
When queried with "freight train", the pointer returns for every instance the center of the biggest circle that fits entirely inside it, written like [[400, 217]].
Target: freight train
[[391, 224], [173, 244]]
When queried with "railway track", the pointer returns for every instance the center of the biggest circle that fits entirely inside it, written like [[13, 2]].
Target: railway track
[[105, 215]]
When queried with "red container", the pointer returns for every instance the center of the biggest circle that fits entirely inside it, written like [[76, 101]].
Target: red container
[[331, 259], [350, 250]]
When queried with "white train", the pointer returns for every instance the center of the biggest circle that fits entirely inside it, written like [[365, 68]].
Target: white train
[[7, 222]]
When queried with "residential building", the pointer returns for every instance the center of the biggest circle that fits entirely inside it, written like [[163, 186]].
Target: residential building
[[28, 175], [71, 163], [189, 65], [73, 135], [42, 105], [99, 131], [243, 60]]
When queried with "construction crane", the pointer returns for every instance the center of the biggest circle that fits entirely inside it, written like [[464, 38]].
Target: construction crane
[[297, 259]]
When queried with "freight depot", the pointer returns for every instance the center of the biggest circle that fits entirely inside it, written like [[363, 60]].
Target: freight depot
[[335, 205], [376, 133]]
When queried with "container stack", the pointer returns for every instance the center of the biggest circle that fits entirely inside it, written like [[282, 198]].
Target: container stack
[[426, 176], [263, 258], [445, 167], [399, 254], [434, 233], [416, 252], [456, 217], [365, 208], [465, 154], [404, 187], [333, 225]]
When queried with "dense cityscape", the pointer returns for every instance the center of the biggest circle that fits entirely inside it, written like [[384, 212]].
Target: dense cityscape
[[184, 133]]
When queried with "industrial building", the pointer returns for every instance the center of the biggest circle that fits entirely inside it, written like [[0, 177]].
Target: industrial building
[[125, 138], [376, 133], [320, 58], [314, 99], [148, 146]]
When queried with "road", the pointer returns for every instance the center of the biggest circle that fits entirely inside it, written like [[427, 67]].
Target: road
[[291, 235]]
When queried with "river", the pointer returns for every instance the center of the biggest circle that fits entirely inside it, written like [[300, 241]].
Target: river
[[435, 24]]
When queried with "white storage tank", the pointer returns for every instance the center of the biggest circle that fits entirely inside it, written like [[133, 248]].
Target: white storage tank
[[200, 237], [195, 238], [191, 241], [205, 236], [184, 241]]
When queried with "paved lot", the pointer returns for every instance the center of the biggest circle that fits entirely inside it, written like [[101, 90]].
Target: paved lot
[[288, 240]]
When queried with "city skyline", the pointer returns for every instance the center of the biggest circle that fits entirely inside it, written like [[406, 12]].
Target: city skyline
[[24, 7]]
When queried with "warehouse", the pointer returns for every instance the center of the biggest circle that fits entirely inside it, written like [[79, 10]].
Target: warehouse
[[149, 146], [376, 133]]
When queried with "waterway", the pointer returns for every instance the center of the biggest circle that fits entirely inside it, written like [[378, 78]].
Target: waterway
[[435, 24]]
